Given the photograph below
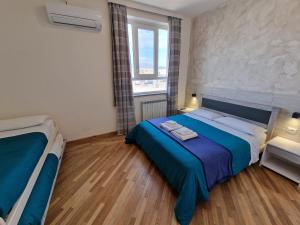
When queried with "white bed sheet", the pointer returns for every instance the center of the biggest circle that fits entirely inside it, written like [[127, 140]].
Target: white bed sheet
[[256, 142], [22, 122], [48, 128]]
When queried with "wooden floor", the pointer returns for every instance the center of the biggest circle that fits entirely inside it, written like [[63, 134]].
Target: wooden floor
[[104, 181]]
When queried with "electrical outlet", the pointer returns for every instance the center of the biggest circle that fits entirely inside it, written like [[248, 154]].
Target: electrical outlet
[[291, 130]]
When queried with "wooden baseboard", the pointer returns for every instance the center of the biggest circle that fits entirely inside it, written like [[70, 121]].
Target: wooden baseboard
[[91, 139]]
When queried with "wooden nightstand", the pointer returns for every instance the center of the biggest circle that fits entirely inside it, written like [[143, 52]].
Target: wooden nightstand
[[283, 156], [185, 110]]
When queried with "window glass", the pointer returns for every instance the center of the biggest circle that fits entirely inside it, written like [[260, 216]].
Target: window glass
[[142, 86], [146, 51], [162, 52]]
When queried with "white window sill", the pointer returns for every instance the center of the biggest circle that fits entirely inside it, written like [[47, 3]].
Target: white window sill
[[136, 95]]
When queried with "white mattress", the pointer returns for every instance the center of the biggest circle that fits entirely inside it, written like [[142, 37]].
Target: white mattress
[[55, 141], [256, 142]]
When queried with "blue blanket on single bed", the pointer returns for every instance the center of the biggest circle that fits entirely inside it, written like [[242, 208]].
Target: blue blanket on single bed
[[38, 200], [18, 158], [183, 170]]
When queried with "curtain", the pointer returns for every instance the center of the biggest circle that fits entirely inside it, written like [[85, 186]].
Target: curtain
[[174, 60], [122, 86]]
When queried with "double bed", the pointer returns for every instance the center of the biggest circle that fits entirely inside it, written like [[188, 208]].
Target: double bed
[[230, 138], [31, 150]]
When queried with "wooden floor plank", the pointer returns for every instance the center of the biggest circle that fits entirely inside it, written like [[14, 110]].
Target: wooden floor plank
[[104, 181]]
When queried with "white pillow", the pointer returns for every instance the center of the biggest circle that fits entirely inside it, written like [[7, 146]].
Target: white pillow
[[242, 126], [206, 114], [22, 122]]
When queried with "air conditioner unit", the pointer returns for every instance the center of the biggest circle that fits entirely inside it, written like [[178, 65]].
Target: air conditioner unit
[[74, 16]]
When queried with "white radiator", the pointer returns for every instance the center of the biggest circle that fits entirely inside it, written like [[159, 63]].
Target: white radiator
[[154, 109]]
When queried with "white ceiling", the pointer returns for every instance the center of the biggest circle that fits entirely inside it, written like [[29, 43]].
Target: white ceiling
[[185, 7]]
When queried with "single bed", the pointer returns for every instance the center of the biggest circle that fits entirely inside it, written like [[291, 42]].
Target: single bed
[[33, 147], [219, 152]]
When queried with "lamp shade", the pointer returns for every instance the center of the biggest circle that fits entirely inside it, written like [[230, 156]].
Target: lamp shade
[[296, 115]]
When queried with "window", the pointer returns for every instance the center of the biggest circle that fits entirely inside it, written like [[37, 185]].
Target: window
[[148, 46]]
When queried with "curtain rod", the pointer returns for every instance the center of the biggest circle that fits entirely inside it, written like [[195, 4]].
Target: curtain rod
[[146, 8]]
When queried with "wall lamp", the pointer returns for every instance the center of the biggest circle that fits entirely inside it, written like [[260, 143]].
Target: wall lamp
[[194, 95]]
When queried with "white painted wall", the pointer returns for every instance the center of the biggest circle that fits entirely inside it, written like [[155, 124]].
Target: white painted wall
[[55, 70], [59, 71], [184, 60]]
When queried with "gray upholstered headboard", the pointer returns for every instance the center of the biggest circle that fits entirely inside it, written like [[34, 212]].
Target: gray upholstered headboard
[[265, 116], [249, 113]]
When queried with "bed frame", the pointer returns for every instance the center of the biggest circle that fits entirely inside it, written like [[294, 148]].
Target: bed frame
[[62, 147], [262, 115]]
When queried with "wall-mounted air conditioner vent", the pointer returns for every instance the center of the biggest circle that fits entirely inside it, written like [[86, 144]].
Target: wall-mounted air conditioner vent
[[74, 16]]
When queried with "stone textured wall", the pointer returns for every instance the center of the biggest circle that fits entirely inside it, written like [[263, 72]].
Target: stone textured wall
[[248, 50]]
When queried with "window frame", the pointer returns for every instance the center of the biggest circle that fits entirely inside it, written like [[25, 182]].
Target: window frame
[[155, 27]]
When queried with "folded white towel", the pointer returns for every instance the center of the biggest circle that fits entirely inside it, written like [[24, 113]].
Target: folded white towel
[[170, 125], [184, 131], [184, 137], [170, 122]]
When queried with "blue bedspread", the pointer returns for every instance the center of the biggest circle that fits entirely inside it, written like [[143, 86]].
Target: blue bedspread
[[183, 170], [18, 158], [38, 200], [215, 158]]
